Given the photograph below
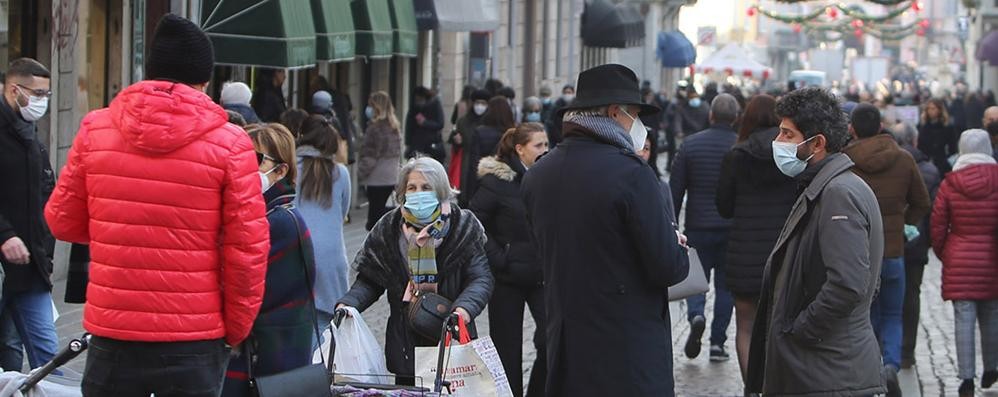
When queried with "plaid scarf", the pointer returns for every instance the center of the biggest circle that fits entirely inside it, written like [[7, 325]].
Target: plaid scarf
[[423, 239]]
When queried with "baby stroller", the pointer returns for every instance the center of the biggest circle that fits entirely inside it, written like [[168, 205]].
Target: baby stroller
[[351, 389], [41, 382]]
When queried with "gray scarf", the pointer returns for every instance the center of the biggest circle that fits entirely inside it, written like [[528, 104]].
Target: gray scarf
[[603, 129]]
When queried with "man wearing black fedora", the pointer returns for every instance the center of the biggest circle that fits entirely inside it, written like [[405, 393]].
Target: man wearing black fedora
[[608, 246]]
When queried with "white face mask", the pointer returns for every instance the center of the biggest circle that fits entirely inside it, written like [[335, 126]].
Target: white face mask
[[568, 97], [480, 109], [36, 107], [638, 132], [265, 180]]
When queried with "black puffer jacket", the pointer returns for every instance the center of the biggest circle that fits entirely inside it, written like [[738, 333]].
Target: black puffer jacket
[[695, 174], [758, 197], [499, 205], [463, 273]]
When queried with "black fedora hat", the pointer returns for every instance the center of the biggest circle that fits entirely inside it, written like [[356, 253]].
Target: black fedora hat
[[609, 84]]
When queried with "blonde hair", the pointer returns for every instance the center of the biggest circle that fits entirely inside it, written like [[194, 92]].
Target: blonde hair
[[384, 110], [277, 142]]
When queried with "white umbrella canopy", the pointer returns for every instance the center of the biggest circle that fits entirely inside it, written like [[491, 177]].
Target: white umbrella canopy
[[732, 60]]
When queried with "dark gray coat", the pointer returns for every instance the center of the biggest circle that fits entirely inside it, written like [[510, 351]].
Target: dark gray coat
[[812, 334], [463, 273]]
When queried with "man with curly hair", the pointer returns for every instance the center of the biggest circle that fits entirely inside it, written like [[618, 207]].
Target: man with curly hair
[[812, 333]]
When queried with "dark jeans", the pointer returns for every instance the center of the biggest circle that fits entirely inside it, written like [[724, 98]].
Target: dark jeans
[[506, 330], [912, 306], [886, 311], [180, 369], [711, 246], [377, 196]]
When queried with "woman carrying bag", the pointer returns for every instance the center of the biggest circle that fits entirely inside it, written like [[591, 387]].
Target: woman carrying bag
[[429, 255], [281, 337]]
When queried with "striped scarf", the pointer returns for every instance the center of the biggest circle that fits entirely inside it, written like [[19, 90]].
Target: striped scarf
[[423, 240], [604, 129]]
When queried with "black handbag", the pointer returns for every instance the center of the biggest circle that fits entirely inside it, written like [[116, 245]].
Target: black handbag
[[310, 380], [427, 313]]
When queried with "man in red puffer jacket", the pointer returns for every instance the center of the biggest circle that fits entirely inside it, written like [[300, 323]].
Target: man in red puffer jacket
[[167, 194]]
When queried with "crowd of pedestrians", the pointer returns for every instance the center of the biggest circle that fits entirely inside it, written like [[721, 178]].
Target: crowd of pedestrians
[[218, 254]]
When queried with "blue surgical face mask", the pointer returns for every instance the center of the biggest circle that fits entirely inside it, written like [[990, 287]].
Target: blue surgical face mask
[[533, 117], [369, 112], [695, 102], [422, 205], [785, 156]]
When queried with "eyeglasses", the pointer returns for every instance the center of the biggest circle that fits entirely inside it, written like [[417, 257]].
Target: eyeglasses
[[40, 93], [260, 157]]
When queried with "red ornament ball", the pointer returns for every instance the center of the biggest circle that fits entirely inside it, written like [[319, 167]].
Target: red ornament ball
[[916, 6], [796, 27], [858, 33], [751, 11], [920, 32], [924, 23], [857, 23], [832, 12]]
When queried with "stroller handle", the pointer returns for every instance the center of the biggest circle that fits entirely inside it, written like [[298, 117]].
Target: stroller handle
[[69, 352]]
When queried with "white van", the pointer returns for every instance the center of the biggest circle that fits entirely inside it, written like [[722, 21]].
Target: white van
[[809, 78]]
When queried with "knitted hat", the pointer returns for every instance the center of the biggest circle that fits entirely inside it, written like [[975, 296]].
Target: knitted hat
[[322, 100], [975, 141], [236, 93], [180, 52]]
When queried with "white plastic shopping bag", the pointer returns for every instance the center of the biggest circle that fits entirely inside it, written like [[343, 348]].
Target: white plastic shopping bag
[[472, 367], [357, 352]]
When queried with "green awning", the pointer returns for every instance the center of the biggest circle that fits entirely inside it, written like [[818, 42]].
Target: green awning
[[270, 33], [373, 21], [404, 29], [334, 33]]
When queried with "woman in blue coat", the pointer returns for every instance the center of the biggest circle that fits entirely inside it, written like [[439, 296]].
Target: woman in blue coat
[[324, 201]]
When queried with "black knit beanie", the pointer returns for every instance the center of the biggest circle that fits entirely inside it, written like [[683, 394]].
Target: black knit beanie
[[180, 52]]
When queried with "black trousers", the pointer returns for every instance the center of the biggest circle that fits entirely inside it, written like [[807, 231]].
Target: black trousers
[[377, 196], [912, 305], [506, 330], [176, 369]]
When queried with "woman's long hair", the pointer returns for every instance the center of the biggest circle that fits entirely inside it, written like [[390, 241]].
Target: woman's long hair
[[943, 113], [319, 173], [383, 109], [760, 114], [499, 114]]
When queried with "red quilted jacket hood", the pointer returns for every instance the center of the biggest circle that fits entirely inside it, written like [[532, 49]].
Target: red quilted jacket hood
[[976, 181], [163, 116]]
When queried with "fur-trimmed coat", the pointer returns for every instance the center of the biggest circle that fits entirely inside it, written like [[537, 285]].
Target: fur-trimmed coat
[[498, 204], [463, 274]]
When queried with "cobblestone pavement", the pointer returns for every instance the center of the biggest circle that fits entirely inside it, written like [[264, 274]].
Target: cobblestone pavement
[[934, 375]]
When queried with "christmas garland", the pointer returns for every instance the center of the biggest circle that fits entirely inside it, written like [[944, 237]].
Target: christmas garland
[[852, 13], [881, 2]]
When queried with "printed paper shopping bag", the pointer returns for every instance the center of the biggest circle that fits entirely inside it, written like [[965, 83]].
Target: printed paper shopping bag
[[472, 366]]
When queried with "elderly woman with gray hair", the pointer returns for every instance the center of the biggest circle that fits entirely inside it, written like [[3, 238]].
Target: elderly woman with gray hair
[[426, 249]]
